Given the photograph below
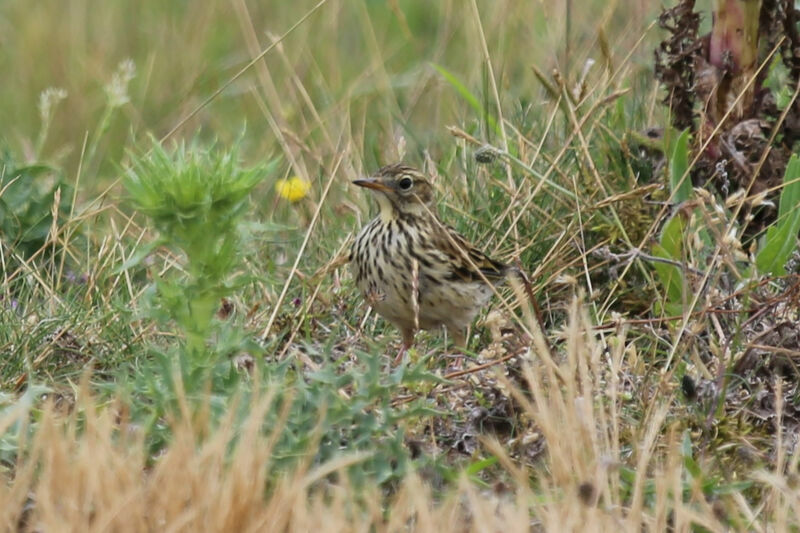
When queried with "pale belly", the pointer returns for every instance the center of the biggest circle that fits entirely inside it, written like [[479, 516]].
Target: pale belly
[[409, 292]]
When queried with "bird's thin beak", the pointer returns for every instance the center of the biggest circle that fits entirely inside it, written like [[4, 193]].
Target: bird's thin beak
[[372, 183]]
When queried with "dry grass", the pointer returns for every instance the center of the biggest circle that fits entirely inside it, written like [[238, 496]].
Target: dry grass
[[89, 471]]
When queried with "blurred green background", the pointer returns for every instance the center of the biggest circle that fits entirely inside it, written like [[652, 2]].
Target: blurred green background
[[352, 80]]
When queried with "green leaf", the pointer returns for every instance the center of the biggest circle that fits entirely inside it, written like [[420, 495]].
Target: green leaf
[[470, 98], [672, 236], [670, 277], [670, 246], [139, 255], [679, 182], [480, 465], [790, 195], [688, 461], [781, 238], [734, 487]]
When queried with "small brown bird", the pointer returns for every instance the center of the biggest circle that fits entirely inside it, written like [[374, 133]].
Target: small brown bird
[[416, 272]]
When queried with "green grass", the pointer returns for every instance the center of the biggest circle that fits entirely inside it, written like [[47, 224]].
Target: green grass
[[601, 430]]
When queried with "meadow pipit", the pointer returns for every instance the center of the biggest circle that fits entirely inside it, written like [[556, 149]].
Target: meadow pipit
[[416, 272]]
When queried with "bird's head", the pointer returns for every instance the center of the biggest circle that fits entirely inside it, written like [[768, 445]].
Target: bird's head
[[400, 190]]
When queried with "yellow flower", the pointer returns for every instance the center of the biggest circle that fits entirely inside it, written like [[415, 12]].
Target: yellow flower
[[293, 189]]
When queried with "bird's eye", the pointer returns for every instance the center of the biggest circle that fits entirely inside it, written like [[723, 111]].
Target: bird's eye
[[405, 183]]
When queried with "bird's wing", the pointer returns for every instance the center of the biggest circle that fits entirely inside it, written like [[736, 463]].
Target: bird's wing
[[457, 249]]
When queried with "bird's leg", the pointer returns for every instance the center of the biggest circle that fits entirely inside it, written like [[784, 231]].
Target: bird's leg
[[460, 338], [408, 341], [459, 345]]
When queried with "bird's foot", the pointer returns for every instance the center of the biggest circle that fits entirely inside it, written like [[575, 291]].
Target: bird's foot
[[408, 341], [456, 362], [400, 355]]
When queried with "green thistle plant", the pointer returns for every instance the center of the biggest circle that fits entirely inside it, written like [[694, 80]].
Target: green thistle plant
[[196, 199]]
